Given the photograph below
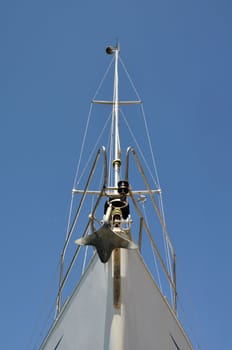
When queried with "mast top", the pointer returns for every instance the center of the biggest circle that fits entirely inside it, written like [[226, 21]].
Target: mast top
[[110, 49]]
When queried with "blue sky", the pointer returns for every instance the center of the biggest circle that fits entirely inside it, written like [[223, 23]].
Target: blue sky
[[179, 54]]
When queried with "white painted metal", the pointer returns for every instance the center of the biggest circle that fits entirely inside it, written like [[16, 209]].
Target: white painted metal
[[89, 320], [150, 323], [116, 121], [119, 102], [116, 340], [84, 321]]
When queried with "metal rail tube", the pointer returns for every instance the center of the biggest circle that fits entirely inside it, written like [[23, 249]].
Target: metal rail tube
[[152, 241], [101, 150]]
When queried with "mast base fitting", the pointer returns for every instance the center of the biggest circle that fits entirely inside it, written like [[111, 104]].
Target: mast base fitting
[[117, 162], [120, 204]]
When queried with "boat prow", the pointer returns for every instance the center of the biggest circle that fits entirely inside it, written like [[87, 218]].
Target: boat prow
[[117, 303], [87, 318]]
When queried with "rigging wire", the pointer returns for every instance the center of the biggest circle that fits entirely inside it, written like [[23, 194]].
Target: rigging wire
[[157, 184], [129, 78], [139, 149], [69, 216], [104, 77], [40, 318], [146, 127], [166, 246], [87, 247], [193, 322], [155, 180], [150, 145], [154, 256], [93, 196], [44, 327], [76, 180], [190, 327], [88, 120], [82, 146], [83, 171], [93, 149], [85, 259], [166, 241]]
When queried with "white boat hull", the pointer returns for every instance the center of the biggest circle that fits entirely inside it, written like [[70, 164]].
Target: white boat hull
[[89, 317]]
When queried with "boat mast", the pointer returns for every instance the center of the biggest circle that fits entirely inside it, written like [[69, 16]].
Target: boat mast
[[119, 256], [115, 113]]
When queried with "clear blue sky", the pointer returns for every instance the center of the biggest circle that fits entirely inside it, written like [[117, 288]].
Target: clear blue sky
[[179, 54]]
